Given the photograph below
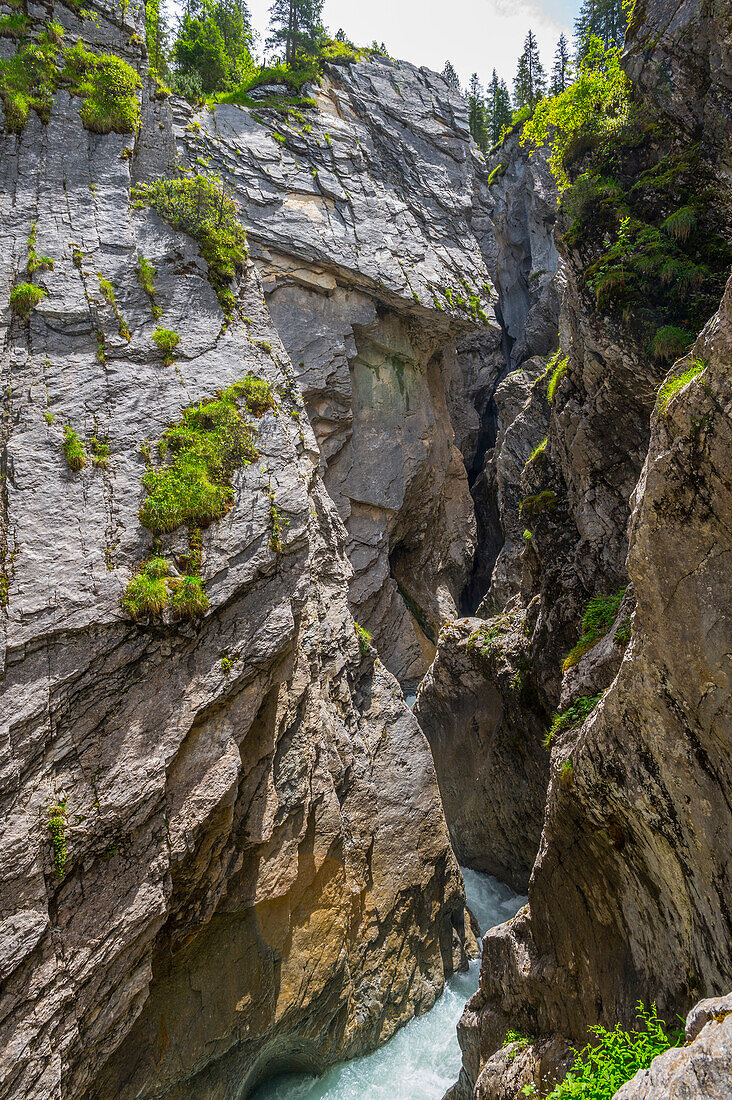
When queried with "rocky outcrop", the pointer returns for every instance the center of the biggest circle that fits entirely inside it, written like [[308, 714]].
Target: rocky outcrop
[[475, 707], [224, 851], [701, 1068], [366, 217]]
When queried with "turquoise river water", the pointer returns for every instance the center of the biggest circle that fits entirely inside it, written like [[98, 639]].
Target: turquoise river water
[[423, 1059]]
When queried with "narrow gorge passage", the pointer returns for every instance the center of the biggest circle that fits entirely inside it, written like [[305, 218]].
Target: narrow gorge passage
[[423, 1060]]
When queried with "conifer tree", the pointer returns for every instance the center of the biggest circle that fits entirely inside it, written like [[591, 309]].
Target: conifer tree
[[561, 66], [451, 76], [477, 113], [157, 36], [498, 107], [529, 85], [604, 19], [296, 26]]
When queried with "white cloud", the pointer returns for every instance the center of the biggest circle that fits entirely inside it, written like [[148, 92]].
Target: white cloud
[[476, 35]]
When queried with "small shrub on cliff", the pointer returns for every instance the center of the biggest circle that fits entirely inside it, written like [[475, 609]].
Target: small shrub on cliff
[[598, 617], [364, 638], [73, 450], [108, 86], [167, 341], [24, 297], [572, 717], [557, 367], [600, 1069], [201, 208], [257, 393]]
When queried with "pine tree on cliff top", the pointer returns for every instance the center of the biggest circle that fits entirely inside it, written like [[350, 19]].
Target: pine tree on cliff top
[[529, 85], [605, 19], [451, 76], [561, 67], [498, 107], [477, 113], [296, 26]]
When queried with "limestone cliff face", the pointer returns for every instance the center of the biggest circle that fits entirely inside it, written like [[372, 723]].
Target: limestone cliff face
[[368, 226], [628, 894], [251, 868]]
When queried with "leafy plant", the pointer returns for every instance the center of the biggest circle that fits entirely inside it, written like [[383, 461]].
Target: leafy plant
[[600, 1069], [99, 449], [572, 717], [24, 297], [598, 617], [201, 208], [73, 449], [108, 86], [257, 393], [364, 638]]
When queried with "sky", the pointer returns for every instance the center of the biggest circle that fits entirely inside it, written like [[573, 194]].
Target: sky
[[476, 35]]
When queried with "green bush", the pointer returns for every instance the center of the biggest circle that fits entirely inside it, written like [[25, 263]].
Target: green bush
[[598, 617], [257, 393], [167, 341], [189, 599], [673, 385], [73, 449], [364, 638], [99, 449], [24, 297], [200, 207], [600, 1069], [207, 445], [572, 717], [593, 110], [108, 86], [28, 82]]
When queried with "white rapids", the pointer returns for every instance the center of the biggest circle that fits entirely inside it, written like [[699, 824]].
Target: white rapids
[[423, 1059]]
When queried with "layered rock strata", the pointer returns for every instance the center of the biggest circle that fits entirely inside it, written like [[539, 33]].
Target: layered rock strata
[[224, 850]]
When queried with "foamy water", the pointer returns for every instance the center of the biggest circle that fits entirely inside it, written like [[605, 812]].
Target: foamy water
[[423, 1059]]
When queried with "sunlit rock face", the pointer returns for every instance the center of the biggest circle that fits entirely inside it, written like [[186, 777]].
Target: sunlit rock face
[[257, 872]]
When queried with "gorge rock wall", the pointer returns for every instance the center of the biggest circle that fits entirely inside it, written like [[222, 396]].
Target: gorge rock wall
[[628, 897], [366, 217], [224, 852]]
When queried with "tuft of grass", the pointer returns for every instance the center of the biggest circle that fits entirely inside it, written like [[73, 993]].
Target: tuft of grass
[[598, 617], [57, 829], [99, 449], [201, 208], [538, 450], [572, 717], [189, 599], [209, 442], [147, 592], [167, 341], [681, 223], [24, 297], [671, 343], [35, 261], [364, 638], [601, 1068], [676, 383], [107, 291], [558, 365], [108, 86], [146, 278], [73, 449]]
